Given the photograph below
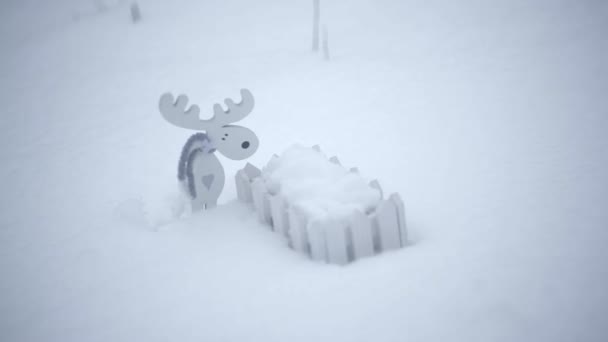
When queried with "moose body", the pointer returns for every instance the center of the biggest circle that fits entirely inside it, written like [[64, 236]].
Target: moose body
[[199, 170]]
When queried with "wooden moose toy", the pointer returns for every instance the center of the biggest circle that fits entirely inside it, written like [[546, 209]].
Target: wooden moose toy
[[199, 170]]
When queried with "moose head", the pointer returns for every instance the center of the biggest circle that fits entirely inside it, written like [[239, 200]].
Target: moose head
[[234, 142]]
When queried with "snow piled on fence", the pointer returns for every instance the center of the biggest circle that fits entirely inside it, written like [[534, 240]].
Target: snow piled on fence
[[319, 188]]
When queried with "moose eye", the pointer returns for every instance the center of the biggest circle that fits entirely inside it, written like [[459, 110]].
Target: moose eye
[[245, 144]]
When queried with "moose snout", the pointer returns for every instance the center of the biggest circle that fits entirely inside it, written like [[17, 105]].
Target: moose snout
[[235, 142]]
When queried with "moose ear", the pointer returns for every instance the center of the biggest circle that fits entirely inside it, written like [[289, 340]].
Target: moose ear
[[236, 111]]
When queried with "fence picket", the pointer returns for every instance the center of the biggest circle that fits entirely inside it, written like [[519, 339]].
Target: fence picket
[[297, 231], [267, 215], [258, 190], [388, 225], [361, 231], [337, 245], [252, 172], [239, 186], [316, 237], [243, 188], [396, 199], [278, 212]]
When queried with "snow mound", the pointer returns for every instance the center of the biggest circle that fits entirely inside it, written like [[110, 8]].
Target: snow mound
[[153, 212], [317, 187]]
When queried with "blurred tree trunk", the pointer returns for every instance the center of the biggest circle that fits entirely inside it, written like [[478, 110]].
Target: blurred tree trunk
[[135, 12], [316, 14], [325, 43]]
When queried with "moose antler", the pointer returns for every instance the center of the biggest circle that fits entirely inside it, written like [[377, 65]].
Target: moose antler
[[236, 111], [174, 111]]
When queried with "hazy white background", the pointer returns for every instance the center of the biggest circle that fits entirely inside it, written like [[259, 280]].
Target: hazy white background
[[488, 117]]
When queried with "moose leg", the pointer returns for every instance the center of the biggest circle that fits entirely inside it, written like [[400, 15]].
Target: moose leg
[[197, 204], [207, 177]]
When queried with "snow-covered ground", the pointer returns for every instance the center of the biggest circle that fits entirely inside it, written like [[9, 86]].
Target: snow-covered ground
[[488, 117]]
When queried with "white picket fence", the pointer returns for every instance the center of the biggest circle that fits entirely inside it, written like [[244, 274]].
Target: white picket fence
[[366, 234]]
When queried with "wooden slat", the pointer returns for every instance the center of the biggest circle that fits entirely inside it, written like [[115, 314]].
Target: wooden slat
[[388, 225], [396, 199], [278, 211], [267, 215], [297, 232], [243, 187], [316, 238], [361, 231], [337, 252], [258, 189], [251, 171]]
